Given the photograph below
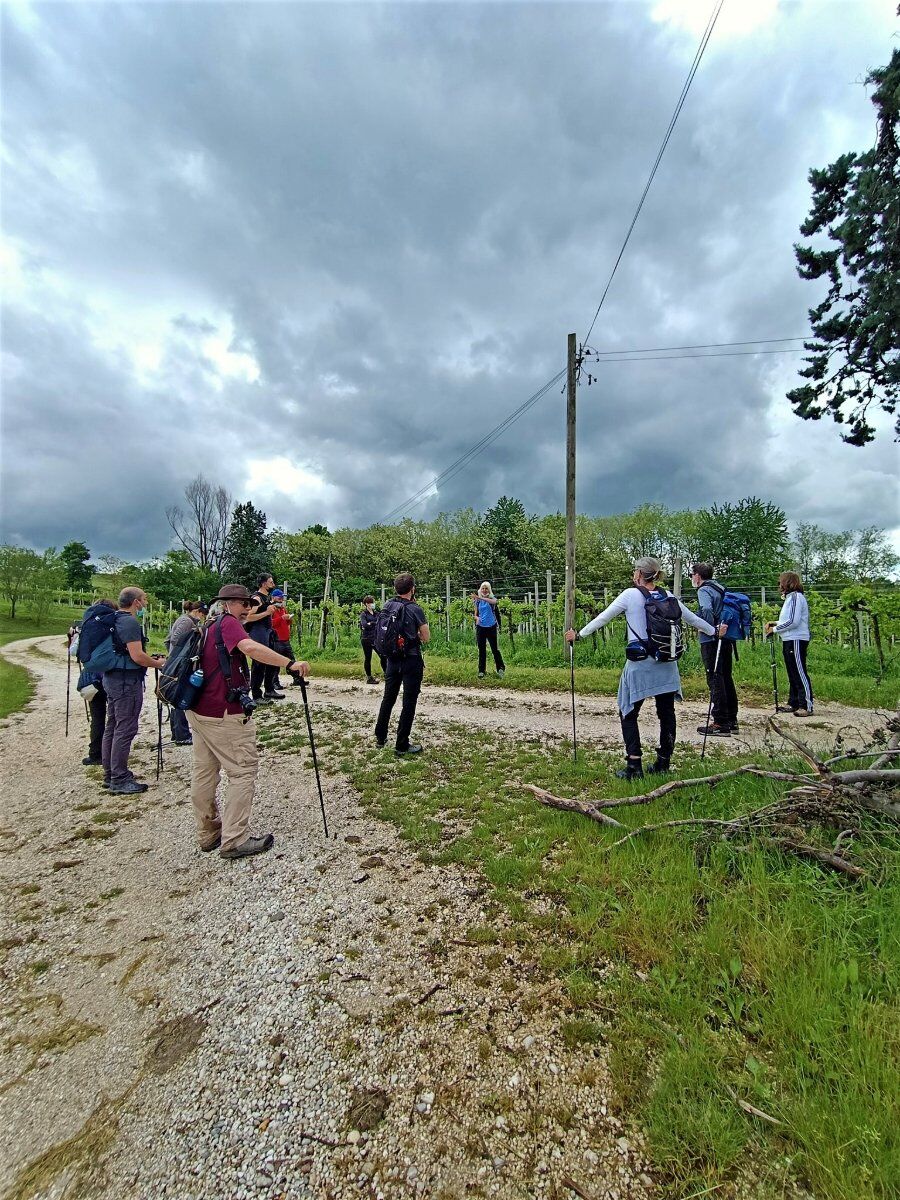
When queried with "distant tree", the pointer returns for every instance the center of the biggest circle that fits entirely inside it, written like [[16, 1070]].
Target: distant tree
[[751, 535], [46, 577], [17, 565], [176, 577], [202, 527], [855, 360], [75, 558], [247, 551], [300, 558]]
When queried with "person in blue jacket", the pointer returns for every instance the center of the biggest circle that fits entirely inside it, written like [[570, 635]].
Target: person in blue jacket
[[487, 626]]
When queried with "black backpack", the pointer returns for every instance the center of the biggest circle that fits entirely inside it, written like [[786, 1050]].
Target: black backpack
[[174, 686], [665, 632], [392, 639]]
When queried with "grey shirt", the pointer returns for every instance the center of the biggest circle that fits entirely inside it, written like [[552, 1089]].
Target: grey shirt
[[129, 629]]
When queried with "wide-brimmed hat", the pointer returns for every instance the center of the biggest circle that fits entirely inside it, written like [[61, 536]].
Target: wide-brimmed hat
[[233, 591]]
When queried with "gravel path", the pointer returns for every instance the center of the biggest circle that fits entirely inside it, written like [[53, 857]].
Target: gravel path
[[314, 1023]]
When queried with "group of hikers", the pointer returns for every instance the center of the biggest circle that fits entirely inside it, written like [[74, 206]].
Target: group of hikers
[[110, 644]]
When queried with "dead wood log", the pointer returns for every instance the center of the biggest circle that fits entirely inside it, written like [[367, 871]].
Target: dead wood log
[[577, 806]]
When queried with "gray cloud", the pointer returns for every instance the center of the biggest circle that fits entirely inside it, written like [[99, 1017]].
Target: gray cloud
[[355, 237]]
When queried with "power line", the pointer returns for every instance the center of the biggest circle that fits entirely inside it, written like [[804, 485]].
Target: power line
[[464, 459], [707, 34], [599, 354], [725, 354]]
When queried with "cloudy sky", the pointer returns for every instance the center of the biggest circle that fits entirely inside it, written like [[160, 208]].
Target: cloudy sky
[[315, 251]]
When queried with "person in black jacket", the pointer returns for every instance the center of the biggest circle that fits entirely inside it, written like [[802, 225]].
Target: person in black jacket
[[368, 619], [405, 669]]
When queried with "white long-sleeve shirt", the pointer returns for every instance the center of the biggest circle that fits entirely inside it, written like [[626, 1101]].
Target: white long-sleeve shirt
[[632, 603], [793, 620]]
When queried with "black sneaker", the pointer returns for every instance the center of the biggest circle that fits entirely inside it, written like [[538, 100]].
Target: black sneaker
[[371, 679], [380, 743], [273, 695], [92, 762], [660, 767], [631, 771], [184, 742], [783, 708], [714, 730], [253, 845], [130, 787], [260, 700], [410, 749]]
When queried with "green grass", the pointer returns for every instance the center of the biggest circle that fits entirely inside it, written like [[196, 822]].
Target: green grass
[[837, 673], [711, 974], [16, 684]]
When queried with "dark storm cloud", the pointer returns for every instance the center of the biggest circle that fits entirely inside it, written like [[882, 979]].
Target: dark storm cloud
[[355, 237]]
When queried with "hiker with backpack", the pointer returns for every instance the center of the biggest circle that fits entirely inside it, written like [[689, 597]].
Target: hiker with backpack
[[182, 627], [90, 684], [258, 623], [487, 627], [401, 632], [281, 631], [653, 619], [731, 613], [221, 721], [792, 627], [368, 621], [121, 658]]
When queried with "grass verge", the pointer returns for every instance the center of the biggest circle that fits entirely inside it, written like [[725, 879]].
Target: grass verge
[[715, 976], [16, 684]]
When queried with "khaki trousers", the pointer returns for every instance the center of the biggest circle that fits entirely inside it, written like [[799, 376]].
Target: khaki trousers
[[223, 744]]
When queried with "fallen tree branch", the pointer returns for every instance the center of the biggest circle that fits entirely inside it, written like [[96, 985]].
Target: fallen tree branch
[[675, 785], [585, 809], [826, 857]]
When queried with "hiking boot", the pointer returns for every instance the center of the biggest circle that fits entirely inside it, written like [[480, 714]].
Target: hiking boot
[[184, 742], [714, 730], [371, 679], [501, 672], [253, 845], [210, 846], [660, 767], [90, 761], [633, 770], [802, 712], [410, 749], [783, 708], [735, 728], [260, 700], [130, 787], [380, 743], [273, 695]]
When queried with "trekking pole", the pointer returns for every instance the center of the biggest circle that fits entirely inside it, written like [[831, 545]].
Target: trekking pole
[[68, 678], [572, 683], [159, 750], [312, 746], [774, 669], [709, 710]]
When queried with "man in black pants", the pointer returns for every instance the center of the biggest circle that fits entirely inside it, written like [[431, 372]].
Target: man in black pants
[[406, 669], [258, 624], [719, 679], [368, 621]]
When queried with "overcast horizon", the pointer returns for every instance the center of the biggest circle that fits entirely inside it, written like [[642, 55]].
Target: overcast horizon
[[314, 252]]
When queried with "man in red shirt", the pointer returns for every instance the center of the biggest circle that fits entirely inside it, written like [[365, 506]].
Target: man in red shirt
[[223, 731]]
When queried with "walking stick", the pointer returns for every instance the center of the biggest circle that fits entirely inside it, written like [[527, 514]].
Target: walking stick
[[159, 749], [312, 746], [572, 683], [774, 669], [709, 710], [68, 678]]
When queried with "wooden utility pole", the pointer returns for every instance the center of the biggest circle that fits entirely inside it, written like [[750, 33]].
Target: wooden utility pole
[[321, 641], [570, 484]]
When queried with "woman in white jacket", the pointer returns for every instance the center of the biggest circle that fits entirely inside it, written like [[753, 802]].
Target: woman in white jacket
[[645, 677], [792, 627]]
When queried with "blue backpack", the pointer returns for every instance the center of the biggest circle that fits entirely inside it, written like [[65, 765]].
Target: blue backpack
[[105, 650], [736, 612]]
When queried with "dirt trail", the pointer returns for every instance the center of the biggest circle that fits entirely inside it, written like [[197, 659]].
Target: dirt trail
[[549, 714], [315, 1023]]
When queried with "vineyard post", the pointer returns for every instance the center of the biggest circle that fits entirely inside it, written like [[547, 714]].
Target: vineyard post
[[549, 602], [676, 577], [537, 609], [382, 595], [321, 642], [447, 610]]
